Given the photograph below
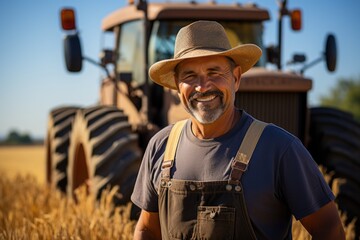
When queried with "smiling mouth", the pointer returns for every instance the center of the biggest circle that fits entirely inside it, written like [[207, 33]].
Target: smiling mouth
[[205, 97]]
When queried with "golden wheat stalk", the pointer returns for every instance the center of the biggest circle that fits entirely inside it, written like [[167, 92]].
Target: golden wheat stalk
[[32, 211]]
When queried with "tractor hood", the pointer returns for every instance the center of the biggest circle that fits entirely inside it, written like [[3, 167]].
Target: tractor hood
[[261, 79]]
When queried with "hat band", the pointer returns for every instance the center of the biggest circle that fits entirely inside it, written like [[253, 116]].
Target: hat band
[[185, 51]]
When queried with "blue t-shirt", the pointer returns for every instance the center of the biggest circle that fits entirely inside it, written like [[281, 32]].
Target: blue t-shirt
[[282, 179]]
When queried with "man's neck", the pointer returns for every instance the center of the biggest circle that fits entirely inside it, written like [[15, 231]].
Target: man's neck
[[218, 128]]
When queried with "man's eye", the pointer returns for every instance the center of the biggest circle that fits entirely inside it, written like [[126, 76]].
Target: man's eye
[[213, 74], [189, 77]]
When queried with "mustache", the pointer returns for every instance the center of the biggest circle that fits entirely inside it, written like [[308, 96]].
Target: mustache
[[195, 95]]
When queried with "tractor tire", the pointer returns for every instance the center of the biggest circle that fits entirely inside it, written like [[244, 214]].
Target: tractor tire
[[335, 144], [56, 145], [103, 152]]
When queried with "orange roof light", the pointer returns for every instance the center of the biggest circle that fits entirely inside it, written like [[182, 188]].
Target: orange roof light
[[296, 19], [68, 19]]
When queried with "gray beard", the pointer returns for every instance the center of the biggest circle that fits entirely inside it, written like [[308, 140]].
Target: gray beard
[[206, 115]]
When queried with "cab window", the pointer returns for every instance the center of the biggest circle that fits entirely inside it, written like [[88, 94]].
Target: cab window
[[162, 41], [131, 51]]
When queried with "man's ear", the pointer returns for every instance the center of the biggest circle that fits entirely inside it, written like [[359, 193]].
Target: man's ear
[[237, 77]]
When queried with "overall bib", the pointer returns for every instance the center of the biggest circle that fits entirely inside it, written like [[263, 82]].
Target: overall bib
[[206, 210]]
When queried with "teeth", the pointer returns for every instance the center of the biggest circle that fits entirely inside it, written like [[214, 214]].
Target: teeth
[[206, 99]]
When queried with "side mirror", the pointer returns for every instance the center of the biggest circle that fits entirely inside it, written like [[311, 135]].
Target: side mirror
[[73, 54], [330, 53]]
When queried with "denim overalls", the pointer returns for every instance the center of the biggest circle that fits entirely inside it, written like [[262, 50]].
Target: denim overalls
[[206, 210]]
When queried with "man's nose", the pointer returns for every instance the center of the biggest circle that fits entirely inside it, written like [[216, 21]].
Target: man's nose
[[202, 84]]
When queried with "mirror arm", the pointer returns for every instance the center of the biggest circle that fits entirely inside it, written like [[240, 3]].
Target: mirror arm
[[309, 65], [97, 64]]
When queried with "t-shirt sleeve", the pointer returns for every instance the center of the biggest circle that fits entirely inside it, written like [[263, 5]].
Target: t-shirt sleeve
[[302, 184], [145, 194]]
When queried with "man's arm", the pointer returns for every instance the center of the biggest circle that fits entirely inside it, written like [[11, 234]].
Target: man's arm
[[148, 226], [324, 223]]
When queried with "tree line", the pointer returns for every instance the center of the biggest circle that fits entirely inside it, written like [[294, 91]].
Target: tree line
[[14, 137], [345, 95]]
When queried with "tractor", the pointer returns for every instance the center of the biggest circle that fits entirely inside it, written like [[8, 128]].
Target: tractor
[[102, 145]]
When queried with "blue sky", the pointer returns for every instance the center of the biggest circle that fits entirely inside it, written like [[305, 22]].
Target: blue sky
[[33, 78]]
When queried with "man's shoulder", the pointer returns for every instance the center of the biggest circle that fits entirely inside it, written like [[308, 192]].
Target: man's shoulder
[[276, 130], [161, 136], [272, 130], [275, 134]]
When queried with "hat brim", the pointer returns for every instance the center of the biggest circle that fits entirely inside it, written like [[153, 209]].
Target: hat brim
[[245, 55]]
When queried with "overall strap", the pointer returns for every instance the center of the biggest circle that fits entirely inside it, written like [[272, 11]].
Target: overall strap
[[171, 147], [247, 147]]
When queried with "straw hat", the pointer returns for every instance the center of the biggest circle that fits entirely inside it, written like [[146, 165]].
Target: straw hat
[[200, 39]]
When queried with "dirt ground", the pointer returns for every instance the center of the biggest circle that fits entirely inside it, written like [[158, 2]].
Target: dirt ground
[[23, 160]]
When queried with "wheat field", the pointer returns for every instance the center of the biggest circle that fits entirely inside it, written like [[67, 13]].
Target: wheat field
[[23, 160], [30, 210]]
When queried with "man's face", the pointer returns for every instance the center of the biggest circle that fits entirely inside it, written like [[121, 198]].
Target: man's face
[[207, 86]]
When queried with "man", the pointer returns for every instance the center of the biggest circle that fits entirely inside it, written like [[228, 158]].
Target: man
[[197, 181]]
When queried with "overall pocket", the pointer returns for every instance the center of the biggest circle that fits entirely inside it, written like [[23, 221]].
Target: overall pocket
[[215, 222], [181, 211]]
